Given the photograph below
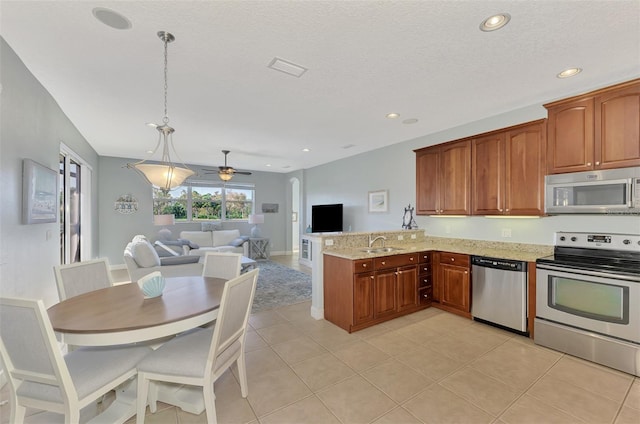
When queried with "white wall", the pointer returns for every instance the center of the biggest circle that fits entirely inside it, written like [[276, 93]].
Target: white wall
[[392, 168], [32, 126]]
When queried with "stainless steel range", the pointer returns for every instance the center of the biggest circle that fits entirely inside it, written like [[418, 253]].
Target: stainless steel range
[[588, 298]]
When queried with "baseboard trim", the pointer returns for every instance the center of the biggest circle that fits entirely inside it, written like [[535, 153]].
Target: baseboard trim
[[317, 313]]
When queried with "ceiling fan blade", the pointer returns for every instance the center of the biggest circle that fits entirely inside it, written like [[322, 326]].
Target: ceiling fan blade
[[242, 172]]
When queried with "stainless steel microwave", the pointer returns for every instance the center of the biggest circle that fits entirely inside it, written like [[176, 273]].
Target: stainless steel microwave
[[612, 191]]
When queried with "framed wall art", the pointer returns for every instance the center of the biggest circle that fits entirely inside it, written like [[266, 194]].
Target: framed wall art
[[379, 201], [39, 193], [270, 208]]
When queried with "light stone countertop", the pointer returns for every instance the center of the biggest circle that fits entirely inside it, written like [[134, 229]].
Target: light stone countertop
[[500, 250]]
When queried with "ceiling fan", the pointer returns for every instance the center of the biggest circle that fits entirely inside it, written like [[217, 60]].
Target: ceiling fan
[[226, 172]]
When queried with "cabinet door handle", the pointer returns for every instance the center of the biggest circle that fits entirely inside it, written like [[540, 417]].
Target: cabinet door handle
[[384, 263], [453, 259], [371, 277], [499, 209], [588, 163], [396, 272], [597, 163], [364, 265], [507, 210], [410, 259], [426, 296], [466, 272]]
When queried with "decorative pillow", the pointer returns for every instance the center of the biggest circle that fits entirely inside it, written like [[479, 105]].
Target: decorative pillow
[[210, 226], [238, 241], [143, 253], [165, 249], [179, 260]]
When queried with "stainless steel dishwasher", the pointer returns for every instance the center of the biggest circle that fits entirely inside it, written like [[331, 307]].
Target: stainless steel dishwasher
[[499, 292]]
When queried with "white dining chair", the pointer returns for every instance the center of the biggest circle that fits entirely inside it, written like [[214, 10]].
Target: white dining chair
[[199, 358], [224, 265], [82, 277], [40, 377]]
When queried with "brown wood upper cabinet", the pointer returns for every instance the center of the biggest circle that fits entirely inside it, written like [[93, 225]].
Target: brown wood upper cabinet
[[508, 168], [597, 130], [443, 179]]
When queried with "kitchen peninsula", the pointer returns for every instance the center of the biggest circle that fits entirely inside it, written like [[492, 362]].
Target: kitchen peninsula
[[364, 284]]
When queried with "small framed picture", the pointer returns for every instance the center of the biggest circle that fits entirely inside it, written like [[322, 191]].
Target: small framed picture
[[379, 201]]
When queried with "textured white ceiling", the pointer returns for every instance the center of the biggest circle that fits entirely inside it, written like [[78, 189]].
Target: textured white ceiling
[[422, 59]]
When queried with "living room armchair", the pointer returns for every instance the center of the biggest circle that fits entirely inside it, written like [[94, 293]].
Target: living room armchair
[[141, 258]]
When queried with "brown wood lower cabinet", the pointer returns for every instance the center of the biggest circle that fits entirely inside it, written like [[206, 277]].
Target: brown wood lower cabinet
[[360, 293], [425, 279], [452, 289]]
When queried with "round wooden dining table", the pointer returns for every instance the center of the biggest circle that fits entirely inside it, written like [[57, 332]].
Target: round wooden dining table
[[120, 314]]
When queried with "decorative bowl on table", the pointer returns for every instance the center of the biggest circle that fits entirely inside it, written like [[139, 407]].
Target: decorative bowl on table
[[152, 285]]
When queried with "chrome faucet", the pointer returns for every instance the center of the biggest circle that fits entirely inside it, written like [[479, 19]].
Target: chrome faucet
[[371, 241]]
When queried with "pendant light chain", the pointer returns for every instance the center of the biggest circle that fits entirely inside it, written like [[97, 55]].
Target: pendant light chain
[[166, 85]]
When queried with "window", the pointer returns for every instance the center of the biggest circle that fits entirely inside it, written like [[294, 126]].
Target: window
[[206, 202]]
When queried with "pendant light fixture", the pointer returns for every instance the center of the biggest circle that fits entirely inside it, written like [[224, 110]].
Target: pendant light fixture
[[164, 175]]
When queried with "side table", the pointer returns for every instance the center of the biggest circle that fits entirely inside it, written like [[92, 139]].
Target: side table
[[259, 248]]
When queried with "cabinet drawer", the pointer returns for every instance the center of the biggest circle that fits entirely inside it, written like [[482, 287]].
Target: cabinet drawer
[[425, 257], [425, 268], [457, 259], [425, 295], [362, 265], [425, 280], [395, 261]]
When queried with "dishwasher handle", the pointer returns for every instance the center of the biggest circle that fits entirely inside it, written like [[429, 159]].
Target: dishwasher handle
[[496, 263]]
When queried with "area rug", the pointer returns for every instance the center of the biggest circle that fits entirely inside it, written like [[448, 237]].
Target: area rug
[[280, 286]]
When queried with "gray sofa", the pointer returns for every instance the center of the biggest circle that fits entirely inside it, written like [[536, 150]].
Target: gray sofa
[[141, 258], [214, 241]]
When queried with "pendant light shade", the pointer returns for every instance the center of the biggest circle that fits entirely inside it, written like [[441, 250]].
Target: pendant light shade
[[165, 174]]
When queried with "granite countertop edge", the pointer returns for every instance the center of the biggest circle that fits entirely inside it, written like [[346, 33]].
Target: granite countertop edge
[[527, 253]]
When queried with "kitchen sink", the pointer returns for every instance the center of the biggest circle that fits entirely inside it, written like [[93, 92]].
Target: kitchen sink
[[379, 249]]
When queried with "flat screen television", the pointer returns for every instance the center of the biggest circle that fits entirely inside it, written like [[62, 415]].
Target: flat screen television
[[326, 218]]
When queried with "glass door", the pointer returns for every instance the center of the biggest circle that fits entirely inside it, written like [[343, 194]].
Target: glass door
[[70, 210]]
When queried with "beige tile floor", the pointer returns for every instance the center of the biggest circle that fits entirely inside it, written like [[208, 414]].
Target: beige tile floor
[[428, 367]]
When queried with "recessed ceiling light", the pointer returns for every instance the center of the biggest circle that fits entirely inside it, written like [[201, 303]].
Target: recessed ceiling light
[[268, 164], [393, 115], [410, 121], [495, 22], [111, 18], [306, 150], [569, 72]]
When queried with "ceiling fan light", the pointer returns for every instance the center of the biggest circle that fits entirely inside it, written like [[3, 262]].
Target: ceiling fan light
[[225, 176]]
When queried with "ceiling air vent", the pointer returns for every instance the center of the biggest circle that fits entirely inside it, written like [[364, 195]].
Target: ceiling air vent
[[287, 67]]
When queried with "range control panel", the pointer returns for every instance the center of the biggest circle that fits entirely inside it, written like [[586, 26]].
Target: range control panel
[[630, 242]]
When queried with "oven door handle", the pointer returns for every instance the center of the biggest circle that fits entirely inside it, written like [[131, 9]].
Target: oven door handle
[[589, 272]]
